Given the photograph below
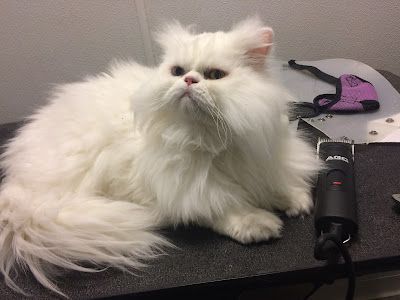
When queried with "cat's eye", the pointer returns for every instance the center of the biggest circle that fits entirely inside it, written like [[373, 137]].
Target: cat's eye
[[177, 71], [214, 74]]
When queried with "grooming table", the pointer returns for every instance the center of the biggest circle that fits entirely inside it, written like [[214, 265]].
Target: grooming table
[[207, 263]]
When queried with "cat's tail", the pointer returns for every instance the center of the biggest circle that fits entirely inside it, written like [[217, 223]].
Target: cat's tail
[[77, 233]]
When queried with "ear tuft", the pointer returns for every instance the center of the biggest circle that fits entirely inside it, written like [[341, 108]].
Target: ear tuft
[[254, 40], [266, 37], [172, 33]]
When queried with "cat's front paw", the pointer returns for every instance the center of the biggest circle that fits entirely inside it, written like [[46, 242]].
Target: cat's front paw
[[300, 204], [247, 227]]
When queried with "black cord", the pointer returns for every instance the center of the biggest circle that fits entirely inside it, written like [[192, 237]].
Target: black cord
[[316, 287], [351, 275], [314, 70]]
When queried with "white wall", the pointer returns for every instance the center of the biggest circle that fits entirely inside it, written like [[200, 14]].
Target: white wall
[[43, 42]]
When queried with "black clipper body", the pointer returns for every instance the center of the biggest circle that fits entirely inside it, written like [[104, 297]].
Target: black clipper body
[[335, 193]]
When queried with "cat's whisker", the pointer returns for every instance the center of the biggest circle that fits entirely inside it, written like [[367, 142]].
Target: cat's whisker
[[215, 122], [223, 124], [215, 115], [230, 136], [220, 116], [217, 119], [225, 127], [224, 130]]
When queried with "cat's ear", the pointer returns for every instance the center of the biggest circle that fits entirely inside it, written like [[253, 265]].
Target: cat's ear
[[265, 35], [254, 41], [172, 33], [257, 55]]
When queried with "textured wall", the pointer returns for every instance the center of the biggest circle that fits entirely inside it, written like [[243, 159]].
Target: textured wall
[[43, 42]]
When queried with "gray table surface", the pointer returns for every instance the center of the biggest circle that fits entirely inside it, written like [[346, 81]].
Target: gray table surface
[[204, 256]]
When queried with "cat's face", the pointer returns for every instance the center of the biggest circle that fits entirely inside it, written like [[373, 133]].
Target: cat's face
[[209, 78]]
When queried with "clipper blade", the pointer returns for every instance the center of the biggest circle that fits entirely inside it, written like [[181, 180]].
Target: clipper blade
[[338, 141]]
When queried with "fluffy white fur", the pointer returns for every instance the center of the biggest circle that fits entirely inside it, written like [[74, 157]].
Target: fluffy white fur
[[113, 157]]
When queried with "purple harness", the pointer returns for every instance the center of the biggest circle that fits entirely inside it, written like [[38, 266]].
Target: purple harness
[[353, 94]]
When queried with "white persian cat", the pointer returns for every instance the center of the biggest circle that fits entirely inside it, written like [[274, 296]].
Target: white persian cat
[[203, 138]]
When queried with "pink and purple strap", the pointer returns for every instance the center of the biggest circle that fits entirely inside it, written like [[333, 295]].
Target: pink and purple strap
[[353, 94]]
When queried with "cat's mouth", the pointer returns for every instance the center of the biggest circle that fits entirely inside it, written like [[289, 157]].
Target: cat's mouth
[[191, 103]]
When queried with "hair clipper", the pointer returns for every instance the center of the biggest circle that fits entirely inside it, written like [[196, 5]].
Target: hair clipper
[[335, 209]]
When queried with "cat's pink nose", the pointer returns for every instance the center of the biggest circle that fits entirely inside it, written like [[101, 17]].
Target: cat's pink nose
[[190, 80]]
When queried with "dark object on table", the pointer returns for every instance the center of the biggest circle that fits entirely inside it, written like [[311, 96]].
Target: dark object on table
[[396, 205], [335, 216], [335, 194]]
